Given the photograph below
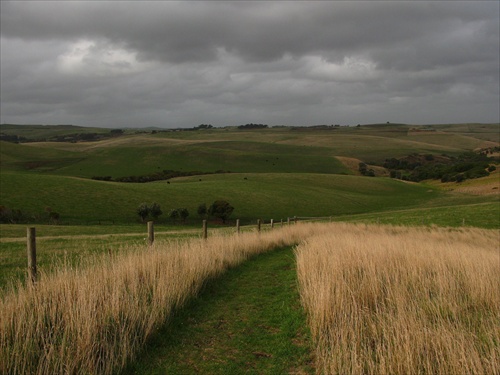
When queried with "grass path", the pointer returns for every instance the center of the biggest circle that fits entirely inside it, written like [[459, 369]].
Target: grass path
[[248, 321]]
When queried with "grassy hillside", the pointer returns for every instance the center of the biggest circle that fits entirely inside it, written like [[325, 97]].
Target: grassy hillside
[[269, 150], [22, 157], [138, 158], [41, 132], [253, 195], [276, 172]]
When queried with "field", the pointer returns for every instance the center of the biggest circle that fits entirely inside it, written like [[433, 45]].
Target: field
[[99, 241], [97, 317], [403, 300]]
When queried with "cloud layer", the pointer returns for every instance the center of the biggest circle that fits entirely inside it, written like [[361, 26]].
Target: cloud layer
[[180, 64]]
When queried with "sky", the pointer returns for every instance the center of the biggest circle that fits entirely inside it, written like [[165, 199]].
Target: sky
[[174, 64]]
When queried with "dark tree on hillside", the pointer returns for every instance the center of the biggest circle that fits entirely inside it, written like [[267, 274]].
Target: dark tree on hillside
[[183, 214], [202, 210], [174, 214], [116, 132], [221, 209], [155, 210], [143, 211]]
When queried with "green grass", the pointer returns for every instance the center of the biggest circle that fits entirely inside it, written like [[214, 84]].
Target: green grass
[[481, 215], [37, 132], [262, 151], [248, 157], [45, 230], [254, 196], [20, 157], [247, 321]]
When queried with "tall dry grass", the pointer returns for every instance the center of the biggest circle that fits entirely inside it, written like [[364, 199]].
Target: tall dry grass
[[93, 319], [394, 300]]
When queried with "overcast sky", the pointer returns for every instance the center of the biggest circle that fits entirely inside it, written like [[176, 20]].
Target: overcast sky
[[181, 64]]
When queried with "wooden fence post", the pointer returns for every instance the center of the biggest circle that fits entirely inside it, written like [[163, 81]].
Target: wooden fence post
[[151, 233], [272, 223], [205, 231], [238, 226], [288, 220], [281, 222], [258, 225], [31, 234], [295, 219]]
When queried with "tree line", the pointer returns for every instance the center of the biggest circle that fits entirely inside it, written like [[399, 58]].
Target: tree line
[[467, 165], [219, 209], [17, 216], [166, 174]]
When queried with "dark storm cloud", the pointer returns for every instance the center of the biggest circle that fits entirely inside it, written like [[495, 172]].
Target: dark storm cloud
[[182, 63]]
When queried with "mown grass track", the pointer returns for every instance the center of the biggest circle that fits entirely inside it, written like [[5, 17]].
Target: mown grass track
[[247, 321]]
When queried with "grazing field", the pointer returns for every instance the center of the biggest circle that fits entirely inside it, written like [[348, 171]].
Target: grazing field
[[275, 172], [393, 300], [258, 195]]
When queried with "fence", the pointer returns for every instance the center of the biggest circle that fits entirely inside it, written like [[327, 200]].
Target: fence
[[31, 237], [31, 241]]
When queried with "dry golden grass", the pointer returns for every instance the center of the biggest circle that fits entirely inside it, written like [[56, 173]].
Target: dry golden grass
[[489, 185], [394, 300], [93, 319], [353, 165]]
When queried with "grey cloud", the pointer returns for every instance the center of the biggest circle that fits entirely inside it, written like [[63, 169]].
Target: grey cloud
[[192, 31], [183, 63]]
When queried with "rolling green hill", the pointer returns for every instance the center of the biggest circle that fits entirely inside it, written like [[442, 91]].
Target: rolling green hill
[[253, 195], [275, 173]]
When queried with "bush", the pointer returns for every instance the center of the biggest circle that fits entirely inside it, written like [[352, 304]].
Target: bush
[[174, 214], [143, 211], [221, 210], [155, 210], [202, 210], [183, 214]]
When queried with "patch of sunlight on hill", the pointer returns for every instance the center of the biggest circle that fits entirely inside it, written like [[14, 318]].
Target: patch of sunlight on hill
[[489, 185]]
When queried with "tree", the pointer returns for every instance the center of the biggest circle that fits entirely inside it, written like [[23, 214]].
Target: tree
[[143, 211], [221, 209], [155, 210], [183, 214], [202, 210], [116, 132], [174, 214]]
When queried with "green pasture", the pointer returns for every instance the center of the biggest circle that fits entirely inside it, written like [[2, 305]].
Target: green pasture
[[24, 157], [481, 215], [241, 157], [37, 132], [254, 195], [275, 150], [275, 173], [364, 143]]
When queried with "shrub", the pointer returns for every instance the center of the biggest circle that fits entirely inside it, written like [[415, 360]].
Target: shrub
[[155, 210], [221, 210], [143, 211], [183, 214], [202, 210], [174, 214]]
